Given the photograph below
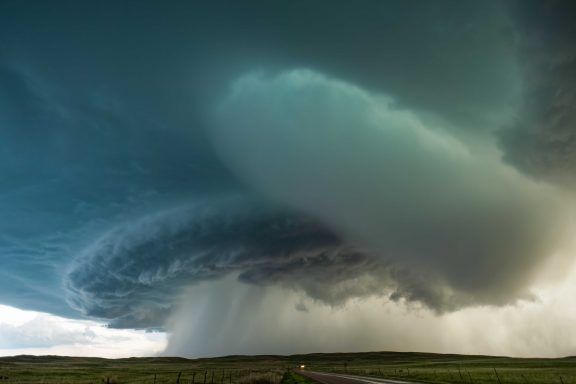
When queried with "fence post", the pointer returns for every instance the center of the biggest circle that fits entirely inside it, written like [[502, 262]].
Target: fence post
[[178, 378], [193, 376], [154, 378], [205, 373]]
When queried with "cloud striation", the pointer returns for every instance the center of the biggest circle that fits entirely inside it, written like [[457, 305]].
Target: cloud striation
[[133, 274]]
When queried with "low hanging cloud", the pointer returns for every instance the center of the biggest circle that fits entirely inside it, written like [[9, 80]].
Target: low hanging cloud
[[133, 275], [463, 227]]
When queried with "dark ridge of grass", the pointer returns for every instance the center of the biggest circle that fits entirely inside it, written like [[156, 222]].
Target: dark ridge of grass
[[47, 359], [155, 360]]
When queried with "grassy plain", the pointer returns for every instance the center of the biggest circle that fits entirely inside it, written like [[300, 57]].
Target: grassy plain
[[424, 367], [442, 368]]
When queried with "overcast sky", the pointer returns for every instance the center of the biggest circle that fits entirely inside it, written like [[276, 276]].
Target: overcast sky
[[228, 177]]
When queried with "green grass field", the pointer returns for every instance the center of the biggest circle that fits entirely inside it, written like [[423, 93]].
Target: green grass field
[[291, 378], [430, 368], [435, 368]]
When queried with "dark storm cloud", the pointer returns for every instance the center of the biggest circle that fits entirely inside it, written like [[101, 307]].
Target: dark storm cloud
[[133, 274], [543, 139], [105, 109]]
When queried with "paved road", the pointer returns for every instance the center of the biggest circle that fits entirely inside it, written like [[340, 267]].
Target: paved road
[[332, 378]]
